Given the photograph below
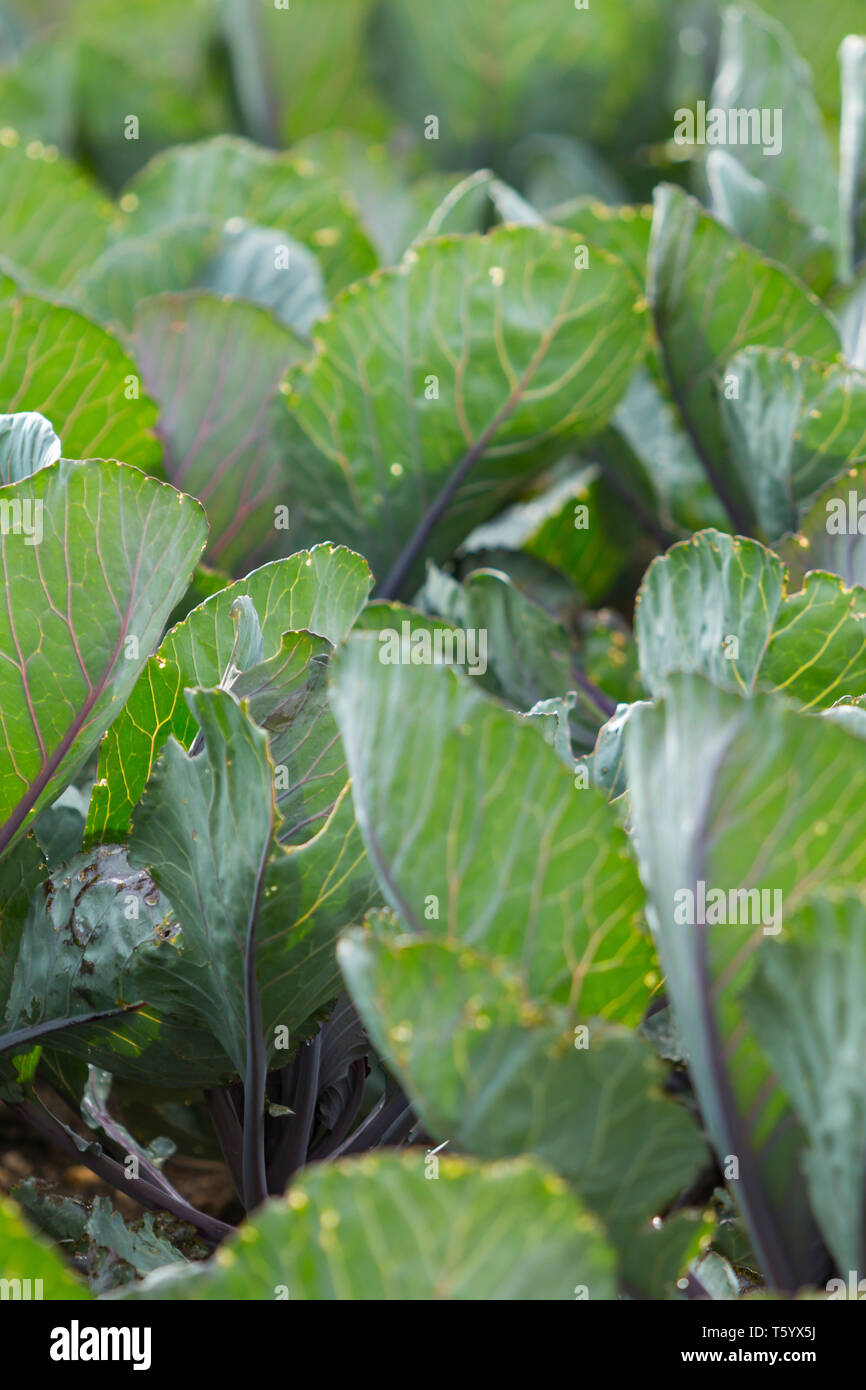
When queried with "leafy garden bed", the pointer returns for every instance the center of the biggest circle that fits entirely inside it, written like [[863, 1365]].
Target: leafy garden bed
[[433, 654]]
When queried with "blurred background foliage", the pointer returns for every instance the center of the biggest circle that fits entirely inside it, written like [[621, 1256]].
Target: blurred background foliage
[[560, 101]]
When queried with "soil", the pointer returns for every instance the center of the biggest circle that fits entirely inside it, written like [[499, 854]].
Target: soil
[[26, 1154]]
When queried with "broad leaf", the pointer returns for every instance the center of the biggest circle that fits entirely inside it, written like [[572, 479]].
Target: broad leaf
[[53, 221], [792, 427], [170, 257], [264, 265], [832, 534], [817, 650], [228, 177], [731, 794], [718, 605], [498, 1076], [76, 374], [215, 420], [321, 590], [435, 388], [711, 297], [312, 892], [173, 932], [761, 70], [805, 1004], [479, 835], [86, 946], [204, 830], [374, 1229], [762, 217], [852, 153], [709, 605], [287, 696], [234, 258], [73, 657], [623, 230]]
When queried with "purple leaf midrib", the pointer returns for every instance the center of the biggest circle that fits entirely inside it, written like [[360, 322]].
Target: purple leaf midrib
[[37, 786]]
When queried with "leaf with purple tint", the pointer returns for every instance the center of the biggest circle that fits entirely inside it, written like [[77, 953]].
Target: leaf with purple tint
[[94, 556], [731, 796], [214, 366]]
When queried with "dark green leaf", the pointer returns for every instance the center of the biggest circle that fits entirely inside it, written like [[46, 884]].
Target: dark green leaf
[[497, 1076], [204, 830], [264, 265], [89, 938]]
